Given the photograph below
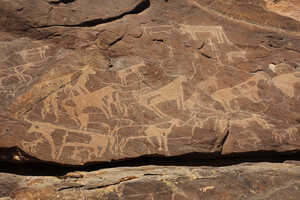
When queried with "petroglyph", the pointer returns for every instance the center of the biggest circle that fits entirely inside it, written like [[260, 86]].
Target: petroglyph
[[94, 143], [286, 83], [236, 54], [105, 99], [161, 29], [125, 66], [51, 104], [161, 134], [170, 92], [29, 53], [151, 30], [285, 135], [248, 89], [217, 32], [245, 122]]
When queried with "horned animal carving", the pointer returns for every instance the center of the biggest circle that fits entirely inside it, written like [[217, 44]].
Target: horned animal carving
[[161, 134]]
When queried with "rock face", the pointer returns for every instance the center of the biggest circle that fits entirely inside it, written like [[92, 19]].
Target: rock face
[[88, 81], [264, 181]]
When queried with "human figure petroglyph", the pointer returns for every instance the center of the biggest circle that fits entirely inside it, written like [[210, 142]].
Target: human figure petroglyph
[[236, 54], [41, 51], [217, 32], [161, 134], [248, 89], [286, 83], [284, 135]]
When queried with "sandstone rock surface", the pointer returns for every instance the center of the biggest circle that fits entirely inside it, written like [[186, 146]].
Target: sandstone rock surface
[[94, 81], [264, 181]]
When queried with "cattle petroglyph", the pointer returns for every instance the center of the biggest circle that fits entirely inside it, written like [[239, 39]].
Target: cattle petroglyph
[[248, 89], [216, 32], [170, 92]]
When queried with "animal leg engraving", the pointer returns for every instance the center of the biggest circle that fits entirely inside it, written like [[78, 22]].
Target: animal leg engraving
[[169, 92]]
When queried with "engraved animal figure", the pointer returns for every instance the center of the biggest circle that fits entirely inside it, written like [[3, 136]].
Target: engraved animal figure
[[45, 137], [125, 66], [124, 73], [158, 29], [51, 102], [247, 89], [217, 32], [169, 92], [284, 135], [161, 29], [104, 99], [161, 134], [95, 145], [236, 54], [27, 53], [286, 83]]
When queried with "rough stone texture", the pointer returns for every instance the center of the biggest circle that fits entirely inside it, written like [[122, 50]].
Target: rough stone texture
[[261, 181], [92, 81], [290, 8]]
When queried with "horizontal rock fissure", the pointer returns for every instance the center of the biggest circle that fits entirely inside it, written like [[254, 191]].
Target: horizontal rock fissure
[[42, 168], [61, 1], [144, 5]]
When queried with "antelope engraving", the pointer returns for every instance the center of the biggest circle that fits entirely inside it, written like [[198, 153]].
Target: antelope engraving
[[161, 134]]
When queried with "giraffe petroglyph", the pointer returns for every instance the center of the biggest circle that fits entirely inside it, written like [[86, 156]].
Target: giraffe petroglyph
[[105, 99], [51, 102], [248, 89], [161, 134]]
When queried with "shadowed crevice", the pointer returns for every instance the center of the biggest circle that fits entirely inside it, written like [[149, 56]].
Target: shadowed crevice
[[35, 167], [141, 7]]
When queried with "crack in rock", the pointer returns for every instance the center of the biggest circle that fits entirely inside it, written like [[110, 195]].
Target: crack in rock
[[144, 5]]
